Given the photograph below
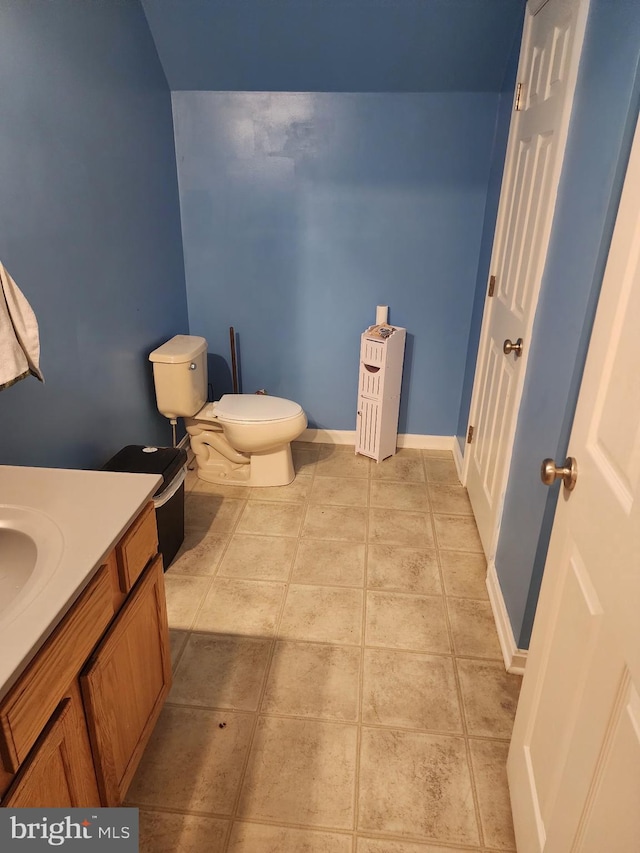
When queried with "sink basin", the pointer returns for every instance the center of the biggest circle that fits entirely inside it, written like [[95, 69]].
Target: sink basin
[[31, 545]]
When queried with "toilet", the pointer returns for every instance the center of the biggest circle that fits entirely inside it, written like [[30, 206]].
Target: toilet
[[242, 439]]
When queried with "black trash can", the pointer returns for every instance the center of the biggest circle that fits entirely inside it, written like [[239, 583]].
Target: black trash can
[[168, 498]]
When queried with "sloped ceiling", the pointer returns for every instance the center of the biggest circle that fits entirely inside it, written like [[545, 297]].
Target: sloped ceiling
[[335, 45]]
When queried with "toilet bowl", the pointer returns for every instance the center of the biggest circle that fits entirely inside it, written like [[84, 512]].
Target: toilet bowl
[[245, 439], [242, 439]]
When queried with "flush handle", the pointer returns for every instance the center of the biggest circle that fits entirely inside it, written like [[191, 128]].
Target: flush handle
[[509, 347], [568, 474]]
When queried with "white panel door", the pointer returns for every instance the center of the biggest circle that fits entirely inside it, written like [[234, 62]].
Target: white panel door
[[574, 761], [551, 47]]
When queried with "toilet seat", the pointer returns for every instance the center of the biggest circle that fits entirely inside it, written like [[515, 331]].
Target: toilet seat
[[250, 408]]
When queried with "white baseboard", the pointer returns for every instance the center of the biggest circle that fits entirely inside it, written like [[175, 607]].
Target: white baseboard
[[514, 658], [348, 436], [426, 442], [458, 458], [329, 436]]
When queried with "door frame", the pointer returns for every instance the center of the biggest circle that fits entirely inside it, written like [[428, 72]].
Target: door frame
[[532, 8]]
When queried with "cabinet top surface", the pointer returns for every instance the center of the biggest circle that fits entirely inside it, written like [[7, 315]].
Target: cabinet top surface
[[56, 527]]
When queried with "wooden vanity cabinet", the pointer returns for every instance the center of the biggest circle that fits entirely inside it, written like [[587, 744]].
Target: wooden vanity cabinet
[[125, 683], [74, 726]]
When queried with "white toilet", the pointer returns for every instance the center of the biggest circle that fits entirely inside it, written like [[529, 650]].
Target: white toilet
[[243, 439]]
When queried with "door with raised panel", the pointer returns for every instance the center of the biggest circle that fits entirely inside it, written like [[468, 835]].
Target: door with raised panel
[[574, 760], [58, 772], [551, 46], [125, 683]]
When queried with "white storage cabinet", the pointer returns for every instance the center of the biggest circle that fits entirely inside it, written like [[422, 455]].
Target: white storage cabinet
[[380, 380]]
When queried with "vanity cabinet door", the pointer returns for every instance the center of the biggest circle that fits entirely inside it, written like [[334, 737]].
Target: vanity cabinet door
[[59, 771], [125, 683]]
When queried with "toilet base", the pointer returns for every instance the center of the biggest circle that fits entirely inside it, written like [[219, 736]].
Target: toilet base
[[218, 462]]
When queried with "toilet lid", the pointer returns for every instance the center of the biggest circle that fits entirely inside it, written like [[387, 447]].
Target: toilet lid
[[255, 407]]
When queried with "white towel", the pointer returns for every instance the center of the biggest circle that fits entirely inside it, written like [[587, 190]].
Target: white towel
[[19, 339]]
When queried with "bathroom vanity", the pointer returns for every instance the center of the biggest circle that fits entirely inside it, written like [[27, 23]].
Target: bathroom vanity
[[81, 694]]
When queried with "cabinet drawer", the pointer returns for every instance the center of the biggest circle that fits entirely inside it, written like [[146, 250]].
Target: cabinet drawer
[[373, 352], [371, 381], [29, 705], [138, 545]]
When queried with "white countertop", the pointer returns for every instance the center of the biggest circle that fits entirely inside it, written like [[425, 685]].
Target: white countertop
[[92, 509]]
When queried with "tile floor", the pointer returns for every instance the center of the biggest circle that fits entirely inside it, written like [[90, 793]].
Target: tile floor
[[338, 684]]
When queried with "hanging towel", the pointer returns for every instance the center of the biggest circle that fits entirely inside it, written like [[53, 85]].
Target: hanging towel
[[19, 339]]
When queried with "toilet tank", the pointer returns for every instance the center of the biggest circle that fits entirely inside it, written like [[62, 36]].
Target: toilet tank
[[180, 376]]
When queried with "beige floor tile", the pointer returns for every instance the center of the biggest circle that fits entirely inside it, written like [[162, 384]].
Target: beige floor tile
[[248, 608], [441, 470], [404, 466], [191, 480], [271, 518], [296, 492], [403, 570], [193, 761], [211, 513], [262, 838], [395, 527], [464, 574], [304, 461], [162, 832], [322, 613], [416, 784], [301, 771], [489, 765], [258, 557], [184, 596], [177, 639], [224, 490], [199, 554], [309, 680], [340, 464], [449, 499], [321, 561], [457, 533], [394, 495], [409, 690], [331, 522], [406, 622], [344, 491], [378, 845], [489, 697], [328, 451], [221, 672], [473, 628], [307, 446]]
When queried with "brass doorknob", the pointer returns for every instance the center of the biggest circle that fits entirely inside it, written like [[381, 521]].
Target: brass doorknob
[[569, 474], [509, 347]]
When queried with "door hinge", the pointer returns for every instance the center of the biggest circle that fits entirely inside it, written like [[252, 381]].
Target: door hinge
[[470, 435], [492, 285], [518, 102]]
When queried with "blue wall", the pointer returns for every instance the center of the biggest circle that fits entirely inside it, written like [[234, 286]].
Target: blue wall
[[334, 45], [301, 212], [600, 134], [89, 225]]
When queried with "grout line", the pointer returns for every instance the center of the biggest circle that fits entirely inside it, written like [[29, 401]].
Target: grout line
[[461, 706]]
